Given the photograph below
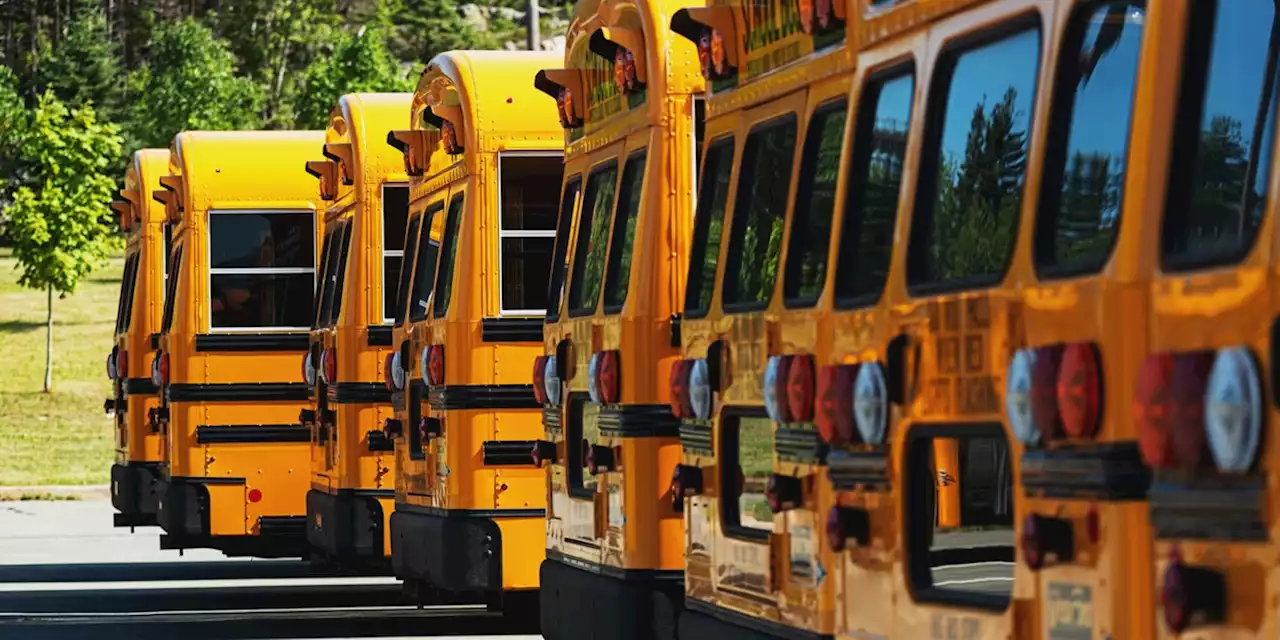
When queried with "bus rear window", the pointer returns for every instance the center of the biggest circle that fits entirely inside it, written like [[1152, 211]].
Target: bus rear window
[[974, 163], [128, 288], [448, 258], [755, 239], [559, 265], [333, 294], [618, 278], [875, 182], [327, 263], [708, 225], [810, 240], [171, 289], [424, 270], [527, 227], [262, 269], [1222, 148], [1079, 212], [395, 213], [593, 239], [402, 280]]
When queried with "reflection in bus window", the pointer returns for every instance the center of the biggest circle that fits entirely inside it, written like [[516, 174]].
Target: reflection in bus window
[[1092, 111], [748, 446], [875, 181], [815, 200], [559, 264], [582, 431], [128, 287], [963, 489], [1221, 167], [333, 306], [593, 238], [171, 291], [755, 239], [327, 264], [975, 162], [395, 212], [424, 271], [262, 269], [707, 227], [448, 258], [528, 194], [406, 263], [618, 278]]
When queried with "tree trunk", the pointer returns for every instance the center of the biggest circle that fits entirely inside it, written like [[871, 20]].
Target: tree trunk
[[48, 345]]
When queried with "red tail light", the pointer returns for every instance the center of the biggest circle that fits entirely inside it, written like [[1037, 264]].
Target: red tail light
[[783, 493], [1191, 596], [540, 379], [800, 387], [255, 495], [111, 364], [681, 402], [387, 363], [1044, 539], [329, 366], [163, 368], [833, 413], [435, 365], [1169, 408], [543, 451], [1080, 390], [1044, 391], [610, 373], [122, 364], [845, 523]]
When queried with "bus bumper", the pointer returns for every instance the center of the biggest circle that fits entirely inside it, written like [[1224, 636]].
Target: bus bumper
[[183, 513], [706, 621], [135, 493], [581, 603], [346, 526], [449, 553]]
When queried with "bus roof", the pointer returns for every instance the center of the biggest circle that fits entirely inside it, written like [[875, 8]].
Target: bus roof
[[242, 169], [355, 142], [135, 204]]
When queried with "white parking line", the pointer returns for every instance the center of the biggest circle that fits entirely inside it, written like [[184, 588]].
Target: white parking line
[[952, 583], [169, 585]]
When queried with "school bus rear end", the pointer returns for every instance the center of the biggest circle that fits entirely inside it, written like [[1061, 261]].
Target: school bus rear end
[[352, 460], [614, 538], [234, 328], [138, 455], [753, 464], [471, 516]]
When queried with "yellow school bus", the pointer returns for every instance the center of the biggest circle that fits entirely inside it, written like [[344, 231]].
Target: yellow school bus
[[469, 502], [241, 288], [352, 461], [138, 455], [778, 75], [630, 104]]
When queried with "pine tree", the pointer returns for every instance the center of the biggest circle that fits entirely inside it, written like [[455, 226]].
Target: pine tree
[[85, 67]]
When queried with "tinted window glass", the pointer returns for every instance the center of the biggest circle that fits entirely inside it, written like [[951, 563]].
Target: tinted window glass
[[175, 269], [593, 239], [624, 232], [448, 258], [260, 300], [1218, 186], [528, 226], [559, 265], [395, 214], [755, 241], [327, 264], [424, 272], [875, 178], [810, 238], [410, 255], [261, 240], [1085, 162], [975, 162], [340, 278], [748, 444], [131, 278], [707, 227], [583, 430]]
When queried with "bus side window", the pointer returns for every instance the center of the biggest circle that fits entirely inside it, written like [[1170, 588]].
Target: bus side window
[[395, 213], [559, 263], [874, 188], [327, 264], [621, 247], [708, 225], [527, 227], [593, 238], [448, 256], [175, 270], [407, 262], [424, 272], [755, 237], [809, 242], [333, 305]]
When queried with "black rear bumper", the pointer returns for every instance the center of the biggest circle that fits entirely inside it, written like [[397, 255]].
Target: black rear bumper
[[183, 513], [580, 605], [450, 552], [135, 493], [346, 526]]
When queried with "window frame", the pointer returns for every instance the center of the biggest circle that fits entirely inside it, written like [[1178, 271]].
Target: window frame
[[340, 274], [640, 154], [599, 167], [249, 271], [726, 139], [805, 177], [404, 285], [770, 122], [427, 220], [1058, 124], [855, 183], [392, 253], [924, 194], [729, 433], [171, 292], [448, 245], [564, 238], [575, 410], [503, 233], [326, 257]]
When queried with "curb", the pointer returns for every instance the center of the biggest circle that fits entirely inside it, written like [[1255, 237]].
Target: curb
[[73, 492]]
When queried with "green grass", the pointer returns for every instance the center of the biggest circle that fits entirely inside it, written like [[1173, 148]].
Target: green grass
[[60, 438]]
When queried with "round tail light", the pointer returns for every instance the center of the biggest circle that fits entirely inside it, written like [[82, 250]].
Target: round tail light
[[1044, 391], [255, 495], [1017, 398], [593, 379], [308, 370], [610, 373], [700, 389], [540, 379], [396, 371], [1079, 390], [387, 363], [775, 388], [434, 358], [800, 388], [871, 403], [162, 369], [111, 363], [833, 413], [678, 384], [1233, 410], [122, 364], [329, 367], [552, 377]]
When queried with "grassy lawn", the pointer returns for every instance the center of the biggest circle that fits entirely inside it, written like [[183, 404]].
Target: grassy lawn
[[62, 437]]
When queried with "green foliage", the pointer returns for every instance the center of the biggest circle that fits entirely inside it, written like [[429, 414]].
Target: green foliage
[[85, 68], [189, 83], [358, 63], [425, 28], [59, 223]]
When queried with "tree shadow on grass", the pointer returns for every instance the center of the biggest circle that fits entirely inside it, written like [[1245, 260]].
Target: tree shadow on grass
[[19, 326]]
